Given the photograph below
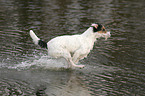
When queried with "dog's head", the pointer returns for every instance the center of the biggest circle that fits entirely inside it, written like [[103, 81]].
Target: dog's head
[[100, 31]]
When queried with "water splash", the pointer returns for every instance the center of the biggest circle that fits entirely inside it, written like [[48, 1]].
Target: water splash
[[44, 62]]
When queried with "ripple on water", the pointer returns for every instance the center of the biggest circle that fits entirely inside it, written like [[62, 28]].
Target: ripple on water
[[10, 87]]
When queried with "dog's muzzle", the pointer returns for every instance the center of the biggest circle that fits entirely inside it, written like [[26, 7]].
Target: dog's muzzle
[[107, 35]]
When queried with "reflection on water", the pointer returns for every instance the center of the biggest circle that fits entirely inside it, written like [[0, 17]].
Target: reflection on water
[[42, 82], [114, 67]]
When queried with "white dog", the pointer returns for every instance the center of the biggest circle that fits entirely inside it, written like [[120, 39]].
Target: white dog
[[73, 47]]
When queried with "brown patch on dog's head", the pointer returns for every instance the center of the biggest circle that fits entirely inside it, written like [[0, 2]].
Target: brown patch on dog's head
[[98, 28]]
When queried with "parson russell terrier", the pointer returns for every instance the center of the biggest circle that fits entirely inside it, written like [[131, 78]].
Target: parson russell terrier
[[73, 47]]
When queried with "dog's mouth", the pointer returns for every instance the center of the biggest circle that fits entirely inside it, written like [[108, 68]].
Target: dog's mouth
[[107, 35]]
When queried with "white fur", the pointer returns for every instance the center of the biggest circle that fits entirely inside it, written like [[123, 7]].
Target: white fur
[[72, 47]]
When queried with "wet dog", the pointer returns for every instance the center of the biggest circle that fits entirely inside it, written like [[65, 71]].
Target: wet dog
[[73, 47]]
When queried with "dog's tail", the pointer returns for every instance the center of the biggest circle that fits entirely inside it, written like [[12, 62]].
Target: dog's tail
[[37, 40]]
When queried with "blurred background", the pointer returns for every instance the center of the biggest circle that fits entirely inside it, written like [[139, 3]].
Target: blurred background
[[114, 67]]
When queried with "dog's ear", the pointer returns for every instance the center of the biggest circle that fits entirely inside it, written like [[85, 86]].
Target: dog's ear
[[97, 27]]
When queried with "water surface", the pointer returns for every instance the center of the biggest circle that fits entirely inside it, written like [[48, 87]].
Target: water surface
[[114, 67]]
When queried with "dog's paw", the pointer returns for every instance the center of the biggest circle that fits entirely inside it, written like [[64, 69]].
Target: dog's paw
[[78, 66], [81, 66]]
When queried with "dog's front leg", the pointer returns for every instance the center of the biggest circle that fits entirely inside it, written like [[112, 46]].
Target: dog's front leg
[[79, 54], [80, 58], [70, 61]]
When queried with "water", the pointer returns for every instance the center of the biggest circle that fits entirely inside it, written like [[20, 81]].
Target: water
[[114, 67]]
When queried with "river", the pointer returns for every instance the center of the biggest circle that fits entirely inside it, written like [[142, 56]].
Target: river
[[115, 67]]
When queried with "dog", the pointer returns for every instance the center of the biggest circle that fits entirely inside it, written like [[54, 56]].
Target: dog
[[73, 47]]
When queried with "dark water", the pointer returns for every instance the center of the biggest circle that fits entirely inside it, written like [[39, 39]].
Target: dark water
[[114, 68]]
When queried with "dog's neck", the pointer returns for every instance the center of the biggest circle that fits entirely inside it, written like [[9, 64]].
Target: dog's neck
[[89, 33], [90, 36]]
